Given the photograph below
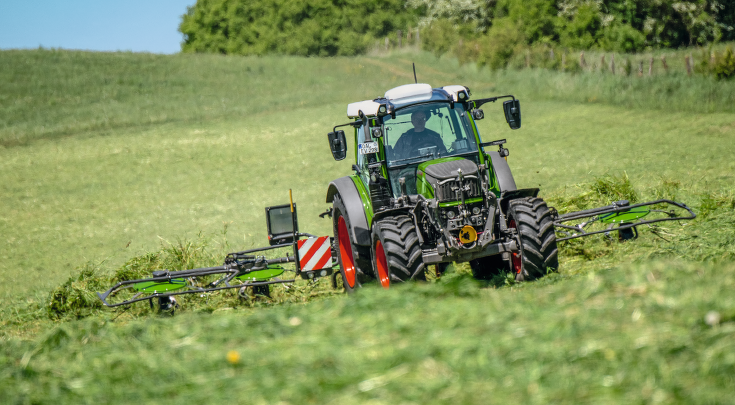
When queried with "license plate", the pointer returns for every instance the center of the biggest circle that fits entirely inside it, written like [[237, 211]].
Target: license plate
[[367, 148]]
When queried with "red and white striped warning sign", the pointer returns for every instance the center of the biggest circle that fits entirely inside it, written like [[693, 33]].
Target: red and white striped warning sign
[[315, 253]]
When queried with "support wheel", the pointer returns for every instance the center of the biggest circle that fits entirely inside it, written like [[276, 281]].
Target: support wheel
[[396, 251], [485, 268], [354, 260], [538, 253]]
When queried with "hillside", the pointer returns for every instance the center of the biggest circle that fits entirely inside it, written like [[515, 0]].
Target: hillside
[[107, 157]]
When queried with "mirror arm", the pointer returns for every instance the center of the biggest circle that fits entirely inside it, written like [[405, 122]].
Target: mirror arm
[[354, 124], [480, 102]]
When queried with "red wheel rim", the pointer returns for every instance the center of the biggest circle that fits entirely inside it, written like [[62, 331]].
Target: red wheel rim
[[515, 257], [382, 264], [345, 252]]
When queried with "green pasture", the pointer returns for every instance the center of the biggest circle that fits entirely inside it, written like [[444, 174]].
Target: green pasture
[[105, 157]]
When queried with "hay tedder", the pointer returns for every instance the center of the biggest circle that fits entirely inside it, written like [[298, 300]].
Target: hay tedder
[[312, 257], [426, 190]]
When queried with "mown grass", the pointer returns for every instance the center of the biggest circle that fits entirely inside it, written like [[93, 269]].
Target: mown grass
[[656, 332], [159, 176]]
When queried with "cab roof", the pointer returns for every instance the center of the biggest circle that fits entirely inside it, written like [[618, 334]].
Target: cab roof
[[405, 95]]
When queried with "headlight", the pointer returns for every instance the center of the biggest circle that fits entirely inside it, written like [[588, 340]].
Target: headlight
[[476, 210], [450, 214]]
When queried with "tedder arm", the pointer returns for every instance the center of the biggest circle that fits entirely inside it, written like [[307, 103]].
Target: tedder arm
[[240, 269], [619, 216], [313, 258]]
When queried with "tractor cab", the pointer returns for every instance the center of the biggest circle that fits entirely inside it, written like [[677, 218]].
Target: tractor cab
[[413, 126], [426, 133]]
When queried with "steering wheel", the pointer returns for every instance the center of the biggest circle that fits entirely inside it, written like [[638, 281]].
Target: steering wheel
[[425, 143]]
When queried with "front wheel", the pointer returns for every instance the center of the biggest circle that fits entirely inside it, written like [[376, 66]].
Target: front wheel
[[353, 259], [397, 256], [537, 253]]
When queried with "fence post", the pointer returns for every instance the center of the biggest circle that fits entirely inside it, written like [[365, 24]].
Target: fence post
[[612, 64], [712, 59], [688, 61], [551, 54], [387, 41], [602, 63], [399, 37], [650, 66], [663, 62], [408, 36], [528, 58], [418, 38], [640, 69], [582, 62]]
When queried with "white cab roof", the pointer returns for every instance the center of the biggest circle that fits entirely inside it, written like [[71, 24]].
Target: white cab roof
[[406, 94], [409, 90]]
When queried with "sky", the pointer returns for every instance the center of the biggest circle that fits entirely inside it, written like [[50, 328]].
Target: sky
[[96, 25]]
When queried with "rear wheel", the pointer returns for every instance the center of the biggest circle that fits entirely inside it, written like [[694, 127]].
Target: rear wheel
[[354, 260], [397, 255], [538, 254]]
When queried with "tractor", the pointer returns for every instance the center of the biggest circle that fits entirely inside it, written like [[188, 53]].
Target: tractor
[[426, 190]]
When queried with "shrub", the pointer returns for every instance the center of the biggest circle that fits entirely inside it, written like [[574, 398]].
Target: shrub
[[439, 37], [622, 38], [502, 42], [583, 30], [725, 67], [536, 19]]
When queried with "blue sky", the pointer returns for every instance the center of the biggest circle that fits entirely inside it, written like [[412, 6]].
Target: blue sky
[[98, 25]]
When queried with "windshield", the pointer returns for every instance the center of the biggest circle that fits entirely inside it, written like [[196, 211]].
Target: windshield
[[427, 131]]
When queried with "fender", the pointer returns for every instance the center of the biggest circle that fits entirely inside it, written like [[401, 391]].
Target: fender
[[502, 172], [359, 229], [507, 196]]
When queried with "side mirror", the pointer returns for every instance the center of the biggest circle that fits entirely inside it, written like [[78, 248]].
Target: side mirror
[[512, 110], [338, 144], [477, 115]]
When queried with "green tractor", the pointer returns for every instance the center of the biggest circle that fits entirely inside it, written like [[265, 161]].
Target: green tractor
[[427, 191]]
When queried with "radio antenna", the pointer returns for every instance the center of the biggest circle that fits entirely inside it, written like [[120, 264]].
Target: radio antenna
[[414, 73]]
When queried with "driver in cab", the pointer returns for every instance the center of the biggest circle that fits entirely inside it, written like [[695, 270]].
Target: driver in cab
[[418, 137]]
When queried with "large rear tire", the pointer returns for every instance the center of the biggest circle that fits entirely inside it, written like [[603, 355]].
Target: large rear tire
[[354, 260], [538, 253], [397, 256]]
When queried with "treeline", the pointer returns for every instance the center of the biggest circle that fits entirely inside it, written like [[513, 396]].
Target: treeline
[[292, 27], [488, 31]]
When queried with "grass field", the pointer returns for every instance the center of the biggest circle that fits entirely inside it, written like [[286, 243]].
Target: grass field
[[110, 156]]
